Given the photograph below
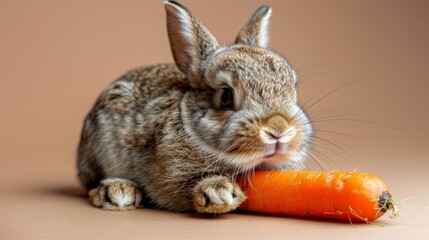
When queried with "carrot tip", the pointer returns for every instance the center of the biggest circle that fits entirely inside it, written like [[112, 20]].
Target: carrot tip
[[386, 203]]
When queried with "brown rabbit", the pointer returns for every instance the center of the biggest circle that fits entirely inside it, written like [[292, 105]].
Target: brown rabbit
[[177, 136]]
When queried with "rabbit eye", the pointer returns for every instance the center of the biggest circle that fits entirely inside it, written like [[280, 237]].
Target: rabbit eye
[[227, 99]]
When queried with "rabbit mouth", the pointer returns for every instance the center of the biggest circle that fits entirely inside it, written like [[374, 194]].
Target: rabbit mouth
[[275, 158], [272, 155], [276, 149], [276, 154]]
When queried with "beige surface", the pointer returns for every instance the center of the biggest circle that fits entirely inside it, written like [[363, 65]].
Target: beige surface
[[56, 56]]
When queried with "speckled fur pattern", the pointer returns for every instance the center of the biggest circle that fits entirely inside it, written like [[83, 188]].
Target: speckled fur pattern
[[161, 130]]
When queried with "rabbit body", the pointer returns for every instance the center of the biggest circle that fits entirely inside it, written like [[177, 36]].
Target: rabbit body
[[175, 136], [132, 132]]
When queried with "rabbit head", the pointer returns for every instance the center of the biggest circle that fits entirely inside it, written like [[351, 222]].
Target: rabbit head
[[242, 106]]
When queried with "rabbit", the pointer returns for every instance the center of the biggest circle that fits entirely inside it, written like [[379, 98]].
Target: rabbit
[[176, 136]]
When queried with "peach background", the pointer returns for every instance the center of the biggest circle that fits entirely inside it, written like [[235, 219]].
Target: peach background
[[56, 57]]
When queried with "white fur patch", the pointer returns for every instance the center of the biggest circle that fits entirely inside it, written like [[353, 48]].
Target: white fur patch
[[288, 135], [266, 137], [294, 76], [224, 77], [123, 200]]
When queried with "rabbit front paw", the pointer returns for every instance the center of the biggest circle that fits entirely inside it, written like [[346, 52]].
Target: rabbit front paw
[[217, 194], [115, 194]]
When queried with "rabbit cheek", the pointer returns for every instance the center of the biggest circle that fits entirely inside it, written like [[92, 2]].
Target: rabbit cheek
[[208, 124], [220, 116]]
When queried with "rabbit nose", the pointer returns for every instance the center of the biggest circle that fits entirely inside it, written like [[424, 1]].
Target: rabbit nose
[[277, 129], [276, 125], [271, 138], [275, 136]]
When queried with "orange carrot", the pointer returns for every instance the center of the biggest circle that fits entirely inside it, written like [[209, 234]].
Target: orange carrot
[[351, 196]]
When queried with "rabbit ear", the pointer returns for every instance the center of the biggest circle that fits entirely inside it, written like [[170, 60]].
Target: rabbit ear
[[190, 41], [255, 31]]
